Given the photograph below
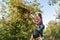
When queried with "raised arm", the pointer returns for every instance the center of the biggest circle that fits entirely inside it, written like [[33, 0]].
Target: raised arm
[[31, 16]]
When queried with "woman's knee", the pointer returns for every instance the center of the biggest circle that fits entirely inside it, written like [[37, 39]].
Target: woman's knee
[[41, 26]]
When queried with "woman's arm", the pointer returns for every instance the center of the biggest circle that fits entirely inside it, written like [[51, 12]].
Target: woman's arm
[[32, 16]]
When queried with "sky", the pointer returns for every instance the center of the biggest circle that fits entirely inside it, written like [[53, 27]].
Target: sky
[[0, 8], [48, 11]]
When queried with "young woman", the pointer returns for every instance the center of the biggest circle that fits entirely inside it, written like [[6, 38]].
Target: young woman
[[39, 22]]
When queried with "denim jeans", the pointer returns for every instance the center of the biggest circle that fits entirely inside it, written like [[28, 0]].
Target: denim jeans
[[41, 28]]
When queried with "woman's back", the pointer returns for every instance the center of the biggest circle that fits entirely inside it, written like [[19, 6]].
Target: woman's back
[[38, 20]]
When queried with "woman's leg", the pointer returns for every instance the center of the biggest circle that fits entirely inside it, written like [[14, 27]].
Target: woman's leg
[[41, 28], [32, 37]]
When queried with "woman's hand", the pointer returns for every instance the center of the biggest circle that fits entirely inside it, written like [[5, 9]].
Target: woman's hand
[[32, 16]]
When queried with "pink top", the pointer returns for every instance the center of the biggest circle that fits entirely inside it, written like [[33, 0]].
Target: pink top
[[38, 20]]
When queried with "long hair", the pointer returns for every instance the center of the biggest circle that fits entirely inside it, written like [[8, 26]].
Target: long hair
[[40, 15]]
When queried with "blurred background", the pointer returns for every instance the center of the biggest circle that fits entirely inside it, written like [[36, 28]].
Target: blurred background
[[16, 23]]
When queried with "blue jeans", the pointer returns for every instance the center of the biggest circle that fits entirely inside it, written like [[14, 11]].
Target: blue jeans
[[41, 28]]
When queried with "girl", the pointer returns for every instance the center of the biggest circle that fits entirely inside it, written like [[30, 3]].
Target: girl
[[39, 22]]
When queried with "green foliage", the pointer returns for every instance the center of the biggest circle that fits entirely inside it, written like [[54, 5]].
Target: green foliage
[[52, 2], [53, 31], [17, 25]]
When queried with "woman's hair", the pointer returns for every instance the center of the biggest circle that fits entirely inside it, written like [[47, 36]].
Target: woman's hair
[[40, 15]]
